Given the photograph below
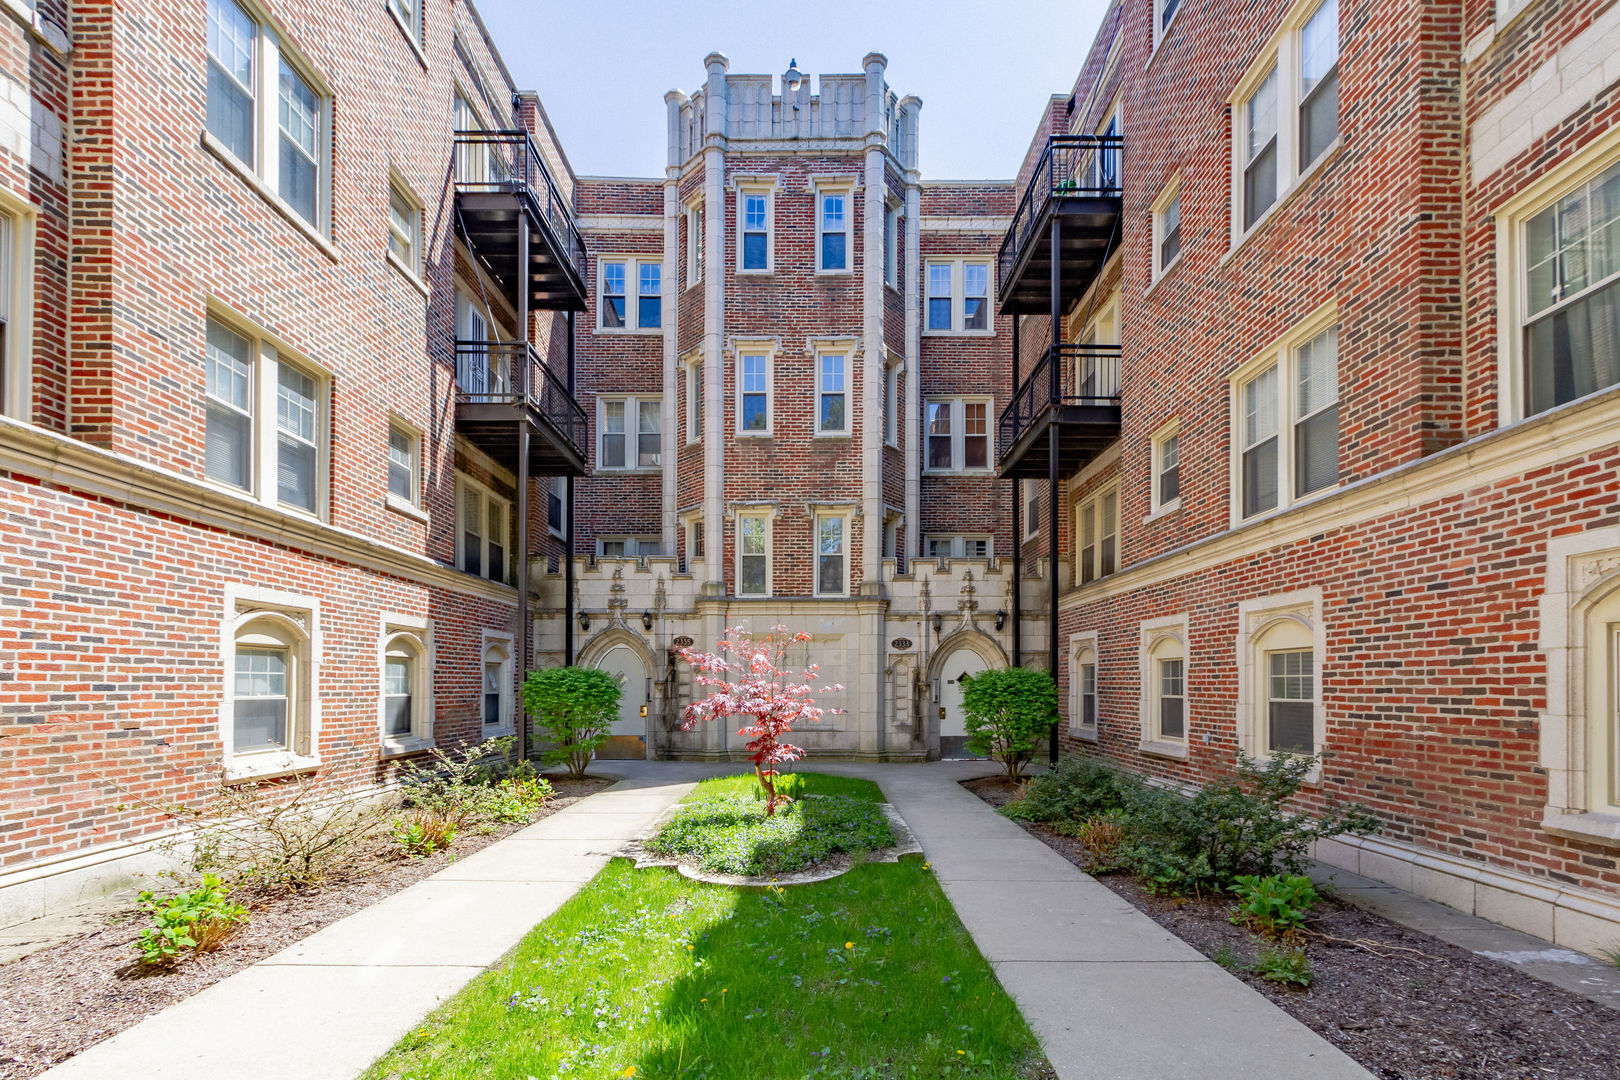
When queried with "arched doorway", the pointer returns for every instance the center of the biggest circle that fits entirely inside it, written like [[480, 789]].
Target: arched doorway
[[629, 736], [961, 664]]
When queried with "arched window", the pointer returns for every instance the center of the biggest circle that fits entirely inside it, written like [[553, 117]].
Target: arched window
[[1165, 714], [1603, 703], [1286, 663], [405, 701], [497, 685], [269, 701], [1083, 690]]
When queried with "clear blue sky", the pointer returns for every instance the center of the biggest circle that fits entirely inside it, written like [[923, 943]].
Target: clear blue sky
[[982, 70]]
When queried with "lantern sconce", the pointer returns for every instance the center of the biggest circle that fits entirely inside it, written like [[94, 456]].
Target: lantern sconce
[[939, 621], [646, 620], [1001, 618], [585, 621]]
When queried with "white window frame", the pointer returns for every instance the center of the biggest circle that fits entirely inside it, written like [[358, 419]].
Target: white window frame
[[956, 545], [1029, 491], [844, 517], [633, 545], [842, 187], [752, 349], [290, 621], [846, 352], [1164, 639], [17, 227], [766, 186], [694, 244], [768, 516], [892, 241], [1284, 52], [1083, 651], [487, 500], [413, 505], [1088, 559], [958, 265], [410, 266], [1162, 25], [693, 536], [632, 432], [1283, 622], [499, 645], [958, 419], [410, 23], [1160, 445], [632, 294], [1171, 195], [557, 487], [263, 173], [692, 372], [893, 367], [267, 356], [1282, 354], [400, 631]]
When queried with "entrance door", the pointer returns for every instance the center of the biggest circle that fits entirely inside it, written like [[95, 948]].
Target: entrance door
[[629, 736], [953, 723]]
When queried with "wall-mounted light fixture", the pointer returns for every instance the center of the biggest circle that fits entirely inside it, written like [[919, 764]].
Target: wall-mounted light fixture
[[939, 621], [584, 621], [646, 621], [1001, 618]]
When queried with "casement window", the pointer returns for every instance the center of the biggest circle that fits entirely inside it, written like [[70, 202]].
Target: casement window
[[832, 231], [404, 464], [1030, 492], [1279, 652], [754, 391], [754, 554], [404, 228], [958, 434], [694, 401], [280, 460], [628, 547], [1287, 419], [1286, 111], [1167, 229], [891, 403], [891, 247], [832, 555], [755, 216], [957, 546], [958, 300], [1165, 717], [631, 432], [557, 506], [1098, 535], [832, 394], [694, 245], [1166, 469], [253, 76], [615, 310], [495, 704], [405, 699], [482, 538]]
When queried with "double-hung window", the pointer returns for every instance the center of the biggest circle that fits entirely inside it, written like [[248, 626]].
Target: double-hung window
[[481, 539], [615, 311], [631, 432], [958, 300], [1258, 452], [297, 425], [891, 247], [754, 214], [1164, 686], [891, 403], [958, 434], [1260, 150], [408, 14], [404, 228], [1290, 709], [832, 231], [1030, 492], [832, 395], [496, 698], [1286, 405], [228, 455], [753, 554], [1166, 469], [1167, 229], [694, 400], [557, 506], [406, 696], [832, 558], [1172, 697], [1098, 516], [753, 392], [1319, 83], [1085, 689], [694, 245], [249, 63]]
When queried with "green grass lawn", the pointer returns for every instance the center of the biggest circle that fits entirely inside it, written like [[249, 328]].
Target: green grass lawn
[[869, 975]]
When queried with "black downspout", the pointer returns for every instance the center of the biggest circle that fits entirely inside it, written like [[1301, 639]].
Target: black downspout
[[568, 527], [1054, 365], [1017, 526]]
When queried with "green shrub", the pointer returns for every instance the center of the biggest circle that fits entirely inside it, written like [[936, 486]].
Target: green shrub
[[1287, 964], [1007, 711], [517, 799], [474, 787], [575, 707], [422, 834], [195, 921], [1077, 788], [1104, 837], [1274, 905]]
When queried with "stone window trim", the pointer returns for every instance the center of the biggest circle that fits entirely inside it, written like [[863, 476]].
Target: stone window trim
[[690, 522], [1163, 639], [1267, 624], [767, 512], [847, 186], [497, 646], [695, 239], [413, 634], [1083, 649], [1170, 195], [632, 264], [1160, 442], [959, 546], [293, 619], [410, 507], [1580, 636], [18, 225], [744, 184], [958, 298], [1512, 218], [741, 349]]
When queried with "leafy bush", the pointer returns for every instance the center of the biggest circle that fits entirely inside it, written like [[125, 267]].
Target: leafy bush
[[422, 834], [1007, 711], [1103, 836], [1274, 905], [1287, 964], [1075, 789], [733, 834], [474, 787], [195, 921], [518, 798], [575, 707]]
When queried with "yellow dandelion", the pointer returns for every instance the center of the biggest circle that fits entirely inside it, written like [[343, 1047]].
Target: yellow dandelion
[[630, 1070], [723, 991], [849, 944], [701, 1000], [964, 1052]]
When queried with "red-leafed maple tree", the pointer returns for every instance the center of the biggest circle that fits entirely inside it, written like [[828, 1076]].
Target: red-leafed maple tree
[[749, 676]]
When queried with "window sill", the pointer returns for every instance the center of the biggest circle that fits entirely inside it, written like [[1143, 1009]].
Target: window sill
[[400, 506], [1085, 734], [618, 331], [409, 274], [41, 26], [834, 436], [1164, 272], [969, 473], [246, 496], [1164, 749], [277, 203], [959, 333], [756, 273], [393, 747], [756, 434], [1283, 200], [834, 273], [892, 286], [410, 37], [500, 731], [1303, 500], [651, 470], [268, 766], [1169, 509], [1591, 828], [1161, 35]]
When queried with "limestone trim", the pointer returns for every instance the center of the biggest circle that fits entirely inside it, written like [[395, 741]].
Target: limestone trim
[[1164, 639], [990, 225], [1083, 650], [1271, 623], [497, 647], [414, 633], [293, 621], [17, 279]]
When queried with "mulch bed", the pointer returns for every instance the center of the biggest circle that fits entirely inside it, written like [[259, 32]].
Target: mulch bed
[[1406, 1005], [66, 998]]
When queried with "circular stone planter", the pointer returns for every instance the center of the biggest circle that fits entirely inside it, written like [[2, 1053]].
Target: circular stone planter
[[904, 844]]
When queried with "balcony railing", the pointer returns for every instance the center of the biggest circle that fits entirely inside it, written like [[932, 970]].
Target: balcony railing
[[494, 162], [1066, 375], [511, 373], [1071, 165]]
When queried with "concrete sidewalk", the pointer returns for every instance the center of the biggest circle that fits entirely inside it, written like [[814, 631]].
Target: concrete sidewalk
[[328, 1006]]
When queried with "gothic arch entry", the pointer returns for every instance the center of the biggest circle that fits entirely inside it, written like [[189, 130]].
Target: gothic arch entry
[[964, 654], [626, 657]]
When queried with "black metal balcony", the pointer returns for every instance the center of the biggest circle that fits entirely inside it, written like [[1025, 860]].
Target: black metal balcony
[[1071, 396], [1076, 183], [502, 385], [503, 185]]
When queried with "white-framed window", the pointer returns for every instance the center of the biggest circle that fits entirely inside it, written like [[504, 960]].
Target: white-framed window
[[1286, 111], [1279, 648], [832, 554], [267, 110], [1167, 228], [267, 693], [693, 370], [408, 14], [16, 304], [891, 401], [1030, 492], [1165, 716], [1166, 468], [1286, 415], [891, 247], [694, 244], [755, 390], [754, 545], [483, 545], [958, 546], [1083, 686], [404, 464], [832, 393], [834, 212], [270, 712], [279, 458], [630, 294], [756, 217], [1164, 12], [1097, 534], [957, 434], [496, 683], [694, 538], [1508, 10], [557, 506], [405, 700], [631, 432], [891, 536], [958, 297], [628, 547], [404, 227]]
